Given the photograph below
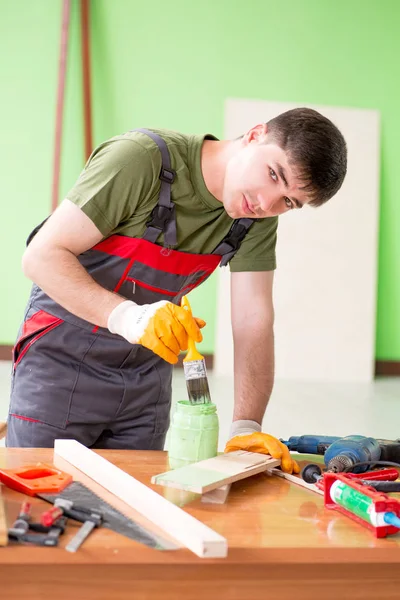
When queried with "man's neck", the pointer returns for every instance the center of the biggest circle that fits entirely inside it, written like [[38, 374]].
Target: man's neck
[[215, 155]]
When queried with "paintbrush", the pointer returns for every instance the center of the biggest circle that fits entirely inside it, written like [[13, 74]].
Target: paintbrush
[[194, 367]]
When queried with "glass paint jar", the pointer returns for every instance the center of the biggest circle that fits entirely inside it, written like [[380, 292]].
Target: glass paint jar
[[193, 434]]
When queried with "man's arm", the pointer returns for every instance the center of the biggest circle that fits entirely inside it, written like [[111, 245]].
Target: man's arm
[[253, 337], [51, 262]]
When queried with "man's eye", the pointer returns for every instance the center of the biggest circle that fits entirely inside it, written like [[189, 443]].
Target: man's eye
[[273, 174], [288, 202]]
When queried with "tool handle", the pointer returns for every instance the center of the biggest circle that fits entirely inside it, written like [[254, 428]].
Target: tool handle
[[25, 512], [310, 444], [382, 486], [381, 475], [81, 536], [192, 353], [49, 517]]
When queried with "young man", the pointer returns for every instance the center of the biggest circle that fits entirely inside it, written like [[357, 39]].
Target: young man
[[152, 214]]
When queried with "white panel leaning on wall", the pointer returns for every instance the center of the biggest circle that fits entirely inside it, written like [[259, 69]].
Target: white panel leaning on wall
[[325, 283]]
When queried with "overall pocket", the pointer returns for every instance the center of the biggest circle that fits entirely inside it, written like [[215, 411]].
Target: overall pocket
[[35, 327], [47, 357], [145, 285]]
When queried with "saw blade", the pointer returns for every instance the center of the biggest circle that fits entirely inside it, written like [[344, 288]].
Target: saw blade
[[113, 519]]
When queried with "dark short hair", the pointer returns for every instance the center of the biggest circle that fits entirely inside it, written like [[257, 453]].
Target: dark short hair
[[316, 149]]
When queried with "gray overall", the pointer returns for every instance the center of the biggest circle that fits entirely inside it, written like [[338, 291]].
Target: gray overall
[[74, 380]]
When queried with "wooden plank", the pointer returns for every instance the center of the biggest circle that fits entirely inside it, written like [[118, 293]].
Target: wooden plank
[[297, 480], [3, 523], [213, 473], [165, 541], [218, 496], [171, 519]]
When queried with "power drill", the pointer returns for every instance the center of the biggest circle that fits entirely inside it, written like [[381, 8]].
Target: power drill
[[342, 453], [310, 444], [346, 452]]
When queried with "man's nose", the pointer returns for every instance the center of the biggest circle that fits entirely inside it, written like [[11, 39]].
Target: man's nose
[[266, 201]]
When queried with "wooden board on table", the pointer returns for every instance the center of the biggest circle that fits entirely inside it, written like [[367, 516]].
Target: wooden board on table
[[220, 495], [217, 496], [171, 519], [297, 480], [213, 473], [3, 523]]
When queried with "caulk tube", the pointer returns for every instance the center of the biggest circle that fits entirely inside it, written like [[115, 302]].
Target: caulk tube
[[357, 503]]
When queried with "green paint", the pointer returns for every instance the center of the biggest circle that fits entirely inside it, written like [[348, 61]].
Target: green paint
[[193, 435], [189, 477], [152, 71]]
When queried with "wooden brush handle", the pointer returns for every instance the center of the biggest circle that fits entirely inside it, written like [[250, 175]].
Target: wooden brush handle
[[192, 353]]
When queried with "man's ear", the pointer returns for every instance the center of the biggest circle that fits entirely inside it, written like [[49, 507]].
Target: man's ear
[[256, 133]]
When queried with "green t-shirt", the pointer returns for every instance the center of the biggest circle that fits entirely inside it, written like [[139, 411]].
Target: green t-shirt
[[119, 188]]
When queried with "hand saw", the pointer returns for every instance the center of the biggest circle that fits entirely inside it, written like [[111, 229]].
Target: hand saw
[[112, 518], [47, 482]]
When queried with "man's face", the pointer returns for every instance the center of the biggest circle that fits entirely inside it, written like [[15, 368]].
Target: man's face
[[259, 182]]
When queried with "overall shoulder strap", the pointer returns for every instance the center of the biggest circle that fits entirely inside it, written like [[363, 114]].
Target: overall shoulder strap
[[34, 231], [162, 219], [231, 242]]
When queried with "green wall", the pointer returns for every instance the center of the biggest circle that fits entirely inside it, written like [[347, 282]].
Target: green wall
[[173, 65]]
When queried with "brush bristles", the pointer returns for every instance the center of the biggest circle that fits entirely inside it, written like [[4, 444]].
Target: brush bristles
[[198, 390]]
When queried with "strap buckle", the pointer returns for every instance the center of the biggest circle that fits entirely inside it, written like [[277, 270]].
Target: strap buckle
[[160, 216], [167, 175], [235, 236]]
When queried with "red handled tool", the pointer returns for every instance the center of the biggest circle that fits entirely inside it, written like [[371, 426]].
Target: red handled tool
[[26, 532], [67, 508], [382, 480], [370, 477], [49, 517], [381, 475]]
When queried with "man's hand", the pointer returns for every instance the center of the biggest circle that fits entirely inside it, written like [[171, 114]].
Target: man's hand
[[162, 327], [256, 441]]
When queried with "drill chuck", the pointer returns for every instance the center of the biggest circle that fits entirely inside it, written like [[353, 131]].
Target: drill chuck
[[340, 463]]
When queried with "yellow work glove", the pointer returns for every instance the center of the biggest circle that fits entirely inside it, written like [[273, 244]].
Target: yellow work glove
[[249, 438], [162, 327]]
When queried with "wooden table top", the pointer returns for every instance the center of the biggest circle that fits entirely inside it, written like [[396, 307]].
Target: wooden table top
[[280, 537]]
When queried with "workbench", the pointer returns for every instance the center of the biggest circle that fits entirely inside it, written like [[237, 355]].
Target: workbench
[[283, 544]]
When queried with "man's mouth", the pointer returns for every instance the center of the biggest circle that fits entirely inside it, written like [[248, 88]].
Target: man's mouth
[[247, 207]]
